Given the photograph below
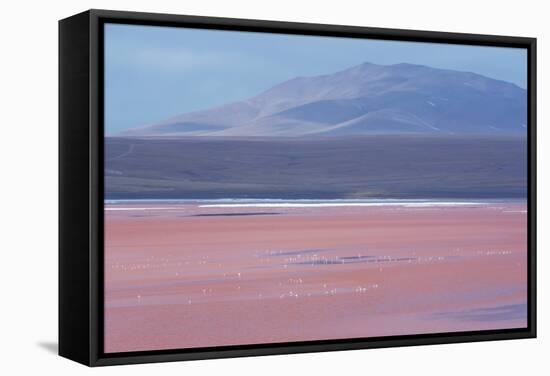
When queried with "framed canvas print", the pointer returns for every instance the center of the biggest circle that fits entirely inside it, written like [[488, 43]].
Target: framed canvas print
[[236, 187]]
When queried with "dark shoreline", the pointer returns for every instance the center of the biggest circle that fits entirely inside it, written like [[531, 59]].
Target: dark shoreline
[[376, 167]]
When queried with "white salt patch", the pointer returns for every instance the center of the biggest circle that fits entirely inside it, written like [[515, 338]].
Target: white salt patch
[[132, 209], [341, 204]]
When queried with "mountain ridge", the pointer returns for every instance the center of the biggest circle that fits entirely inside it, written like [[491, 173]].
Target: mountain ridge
[[364, 99]]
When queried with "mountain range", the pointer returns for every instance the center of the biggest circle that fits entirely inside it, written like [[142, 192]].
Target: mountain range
[[363, 100]]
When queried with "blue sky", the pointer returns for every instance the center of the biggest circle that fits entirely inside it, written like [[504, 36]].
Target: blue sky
[[153, 73]]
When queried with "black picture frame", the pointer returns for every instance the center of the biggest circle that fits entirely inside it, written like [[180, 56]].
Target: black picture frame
[[81, 186]]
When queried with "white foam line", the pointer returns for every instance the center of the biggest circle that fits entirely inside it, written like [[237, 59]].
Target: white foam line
[[130, 209], [340, 204]]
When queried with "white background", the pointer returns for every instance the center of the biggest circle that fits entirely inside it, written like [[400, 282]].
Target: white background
[[28, 160]]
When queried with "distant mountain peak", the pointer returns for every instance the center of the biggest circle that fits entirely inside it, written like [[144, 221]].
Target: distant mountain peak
[[367, 98], [404, 65], [366, 65]]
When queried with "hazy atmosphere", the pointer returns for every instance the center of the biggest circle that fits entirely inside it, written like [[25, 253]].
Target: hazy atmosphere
[[152, 73]]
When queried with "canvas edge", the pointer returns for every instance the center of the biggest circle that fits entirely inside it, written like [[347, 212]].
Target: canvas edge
[[74, 279]]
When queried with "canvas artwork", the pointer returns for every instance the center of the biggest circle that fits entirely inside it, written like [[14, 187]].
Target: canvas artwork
[[275, 188]]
